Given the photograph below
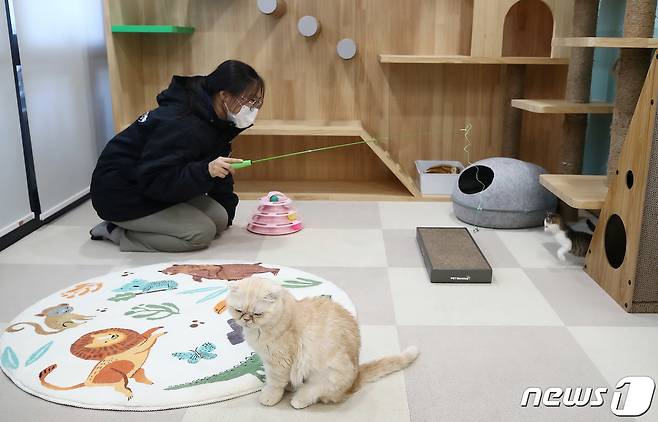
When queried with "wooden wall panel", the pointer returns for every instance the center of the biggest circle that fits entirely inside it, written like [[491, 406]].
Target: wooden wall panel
[[356, 163], [418, 27], [541, 134], [305, 79], [430, 104]]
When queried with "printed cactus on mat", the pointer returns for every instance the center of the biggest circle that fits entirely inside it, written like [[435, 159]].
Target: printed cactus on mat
[[300, 283], [153, 312]]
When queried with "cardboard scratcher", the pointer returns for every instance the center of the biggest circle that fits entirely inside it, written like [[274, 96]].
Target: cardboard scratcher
[[623, 253], [452, 256]]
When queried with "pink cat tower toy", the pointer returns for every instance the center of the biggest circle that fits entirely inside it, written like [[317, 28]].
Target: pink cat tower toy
[[275, 216]]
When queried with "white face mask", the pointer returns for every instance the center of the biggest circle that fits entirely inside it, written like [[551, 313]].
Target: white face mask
[[244, 118]]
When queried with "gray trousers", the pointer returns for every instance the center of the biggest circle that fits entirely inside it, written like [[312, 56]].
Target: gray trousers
[[184, 227]]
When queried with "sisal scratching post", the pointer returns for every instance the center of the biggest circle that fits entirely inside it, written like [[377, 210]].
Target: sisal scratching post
[[579, 78], [513, 116], [630, 71]]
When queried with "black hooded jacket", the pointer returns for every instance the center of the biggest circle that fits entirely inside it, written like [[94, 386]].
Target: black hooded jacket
[[162, 158]]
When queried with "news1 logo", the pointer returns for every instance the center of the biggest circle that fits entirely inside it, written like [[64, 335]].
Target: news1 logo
[[639, 396]]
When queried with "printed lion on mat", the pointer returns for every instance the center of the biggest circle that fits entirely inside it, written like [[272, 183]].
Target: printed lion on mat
[[121, 354]]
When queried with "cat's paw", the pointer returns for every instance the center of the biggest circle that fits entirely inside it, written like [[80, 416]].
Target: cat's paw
[[290, 388], [561, 257], [299, 403], [270, 396]]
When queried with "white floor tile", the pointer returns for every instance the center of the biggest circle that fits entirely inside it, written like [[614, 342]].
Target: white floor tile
[[385, 400], [533, 248], [409, 215], [321, 247], [511, 299], [620, 352], [63, 245]]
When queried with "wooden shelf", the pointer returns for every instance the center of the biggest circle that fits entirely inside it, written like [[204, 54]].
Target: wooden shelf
[[561, 107], [581, 192], [432, 59], [306, 128], [606, 42], [152, 29], [325, 190]]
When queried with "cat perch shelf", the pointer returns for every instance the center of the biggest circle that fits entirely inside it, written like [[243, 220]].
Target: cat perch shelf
[[561, 107], [306, 128], [440, 59], [606, 42], [580, 192]]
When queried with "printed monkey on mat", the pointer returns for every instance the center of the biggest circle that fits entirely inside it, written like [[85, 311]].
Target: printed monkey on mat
[[58, 318], [120, 353]]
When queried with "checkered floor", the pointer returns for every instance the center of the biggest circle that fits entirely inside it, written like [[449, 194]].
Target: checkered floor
[[541, 323]]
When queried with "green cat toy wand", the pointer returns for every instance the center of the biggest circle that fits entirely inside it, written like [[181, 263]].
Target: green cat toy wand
[[248, 163]]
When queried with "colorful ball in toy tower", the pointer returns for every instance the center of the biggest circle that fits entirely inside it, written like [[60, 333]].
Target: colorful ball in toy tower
[[275, 216]]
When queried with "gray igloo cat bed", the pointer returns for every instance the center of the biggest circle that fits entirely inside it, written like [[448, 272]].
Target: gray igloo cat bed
[[502, 193]]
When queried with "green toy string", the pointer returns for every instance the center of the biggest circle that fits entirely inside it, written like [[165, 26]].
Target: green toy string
[[247, 163]]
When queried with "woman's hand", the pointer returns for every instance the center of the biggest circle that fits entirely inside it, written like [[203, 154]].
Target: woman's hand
[[221, 166]]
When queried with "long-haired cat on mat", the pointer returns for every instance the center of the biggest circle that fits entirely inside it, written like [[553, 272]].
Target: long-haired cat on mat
[[570, 240], [309, 346]]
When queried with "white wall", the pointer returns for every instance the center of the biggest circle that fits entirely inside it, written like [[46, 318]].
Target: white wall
[[14, 201], [62, 49]]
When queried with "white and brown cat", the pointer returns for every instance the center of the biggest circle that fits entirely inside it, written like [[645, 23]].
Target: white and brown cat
[[309, 346], [575, 242]]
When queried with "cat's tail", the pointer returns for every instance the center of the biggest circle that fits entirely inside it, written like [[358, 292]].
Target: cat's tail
[[378, 368], [42, 377], [591, 225]]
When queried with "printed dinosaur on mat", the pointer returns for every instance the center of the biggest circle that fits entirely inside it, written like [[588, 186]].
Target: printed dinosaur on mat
[[229, 272], [120, 353], [252, 365], [58, 318]]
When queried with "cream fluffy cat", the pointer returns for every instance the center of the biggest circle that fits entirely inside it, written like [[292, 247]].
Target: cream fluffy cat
[[309, 346]]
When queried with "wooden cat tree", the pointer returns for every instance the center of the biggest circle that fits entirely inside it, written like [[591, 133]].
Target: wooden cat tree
[[623, 253]]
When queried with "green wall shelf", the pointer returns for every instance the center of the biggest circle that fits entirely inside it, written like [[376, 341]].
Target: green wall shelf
[[153, 29]]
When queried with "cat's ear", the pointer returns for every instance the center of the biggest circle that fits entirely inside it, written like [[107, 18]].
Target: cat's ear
[[274, 293]]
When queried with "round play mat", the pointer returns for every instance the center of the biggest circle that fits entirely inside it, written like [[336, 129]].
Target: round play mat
[[149, 338]]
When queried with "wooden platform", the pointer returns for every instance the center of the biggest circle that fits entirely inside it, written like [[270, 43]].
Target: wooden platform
[[441, 59], [581, 192], [606, 42], [306, 128], [561, 107]]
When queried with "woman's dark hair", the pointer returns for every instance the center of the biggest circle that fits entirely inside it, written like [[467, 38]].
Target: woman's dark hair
[[235, 77]]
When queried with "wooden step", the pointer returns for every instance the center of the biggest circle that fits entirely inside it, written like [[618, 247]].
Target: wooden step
[[606, 42], [443, 59], [306, 128], [562, 107], [580, 192]]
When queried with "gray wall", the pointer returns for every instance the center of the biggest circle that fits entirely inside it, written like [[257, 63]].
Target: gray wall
[[67, 93], [14, 203]]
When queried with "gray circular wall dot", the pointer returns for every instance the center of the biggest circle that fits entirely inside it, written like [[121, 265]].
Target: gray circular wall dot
[[272, 7], [308, 26], [346, 48]]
